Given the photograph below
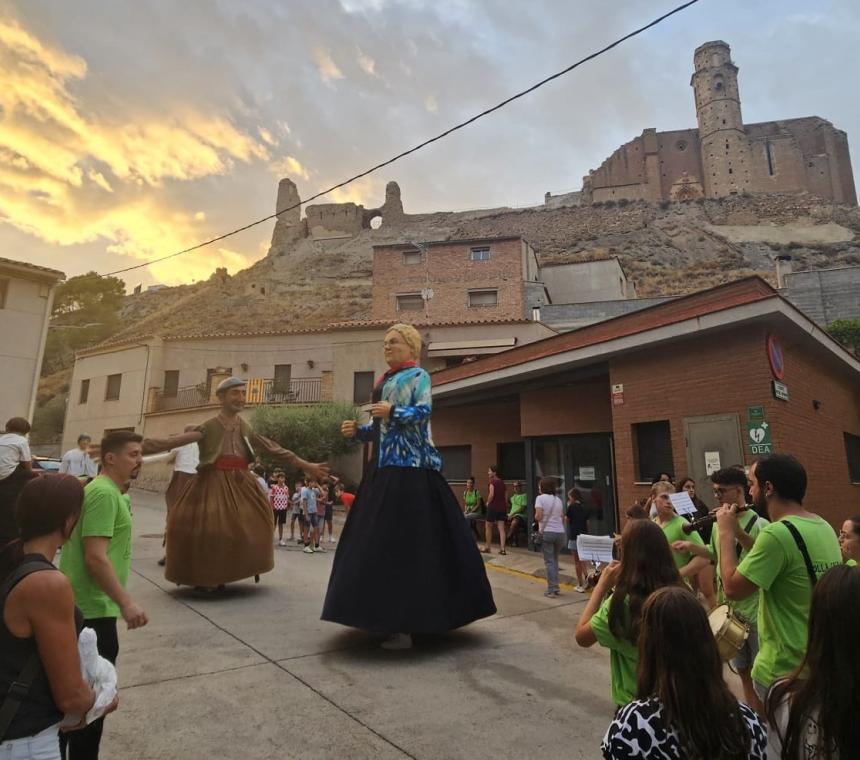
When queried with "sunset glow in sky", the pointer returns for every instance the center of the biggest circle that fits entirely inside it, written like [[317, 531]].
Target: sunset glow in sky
[[130, 129]]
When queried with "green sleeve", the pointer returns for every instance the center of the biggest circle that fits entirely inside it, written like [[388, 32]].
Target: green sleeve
[[99, 515], [600, 626], [712, 544], [695, 538], [765, 561]]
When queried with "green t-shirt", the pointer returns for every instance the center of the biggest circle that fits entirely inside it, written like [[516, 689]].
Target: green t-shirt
[[623, 654], [674, 532], [105, 513], [748, 607], [776, 566], [471, 500], [518, 504], [851, 562]]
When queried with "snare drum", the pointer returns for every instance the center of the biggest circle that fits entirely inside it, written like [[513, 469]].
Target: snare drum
[[729, 631]]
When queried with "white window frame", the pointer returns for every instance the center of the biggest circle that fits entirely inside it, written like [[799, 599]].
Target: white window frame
[[412, 258], [481, 250], [408, 295]]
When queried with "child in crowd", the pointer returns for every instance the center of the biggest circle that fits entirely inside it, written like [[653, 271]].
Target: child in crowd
[[576, 521], [296, 502], [279, 498], [310, 499], [344, 497]]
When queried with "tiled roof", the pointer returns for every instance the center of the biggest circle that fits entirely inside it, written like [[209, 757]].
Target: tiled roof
[[747, 290], [55, 273], [465, 241], [245, 333], [361, 324]]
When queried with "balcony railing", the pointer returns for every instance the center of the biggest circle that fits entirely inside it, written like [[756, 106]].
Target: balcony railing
[[305, 390]]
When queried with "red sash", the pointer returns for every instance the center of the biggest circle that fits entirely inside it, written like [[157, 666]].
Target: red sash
[[231, 462]]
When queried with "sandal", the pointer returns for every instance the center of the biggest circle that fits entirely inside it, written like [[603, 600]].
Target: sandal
[[485, 551], [502, 552]]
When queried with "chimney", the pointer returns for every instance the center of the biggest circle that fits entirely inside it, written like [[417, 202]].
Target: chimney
[[536, 313], [783, 268]]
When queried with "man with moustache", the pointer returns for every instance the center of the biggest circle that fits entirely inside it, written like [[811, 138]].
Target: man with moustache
[[97, 560], [220, 528], [784, 564]]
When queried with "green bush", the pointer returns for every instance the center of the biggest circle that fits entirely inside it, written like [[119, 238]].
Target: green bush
[[847, 332], [48, 420], [312, 432]]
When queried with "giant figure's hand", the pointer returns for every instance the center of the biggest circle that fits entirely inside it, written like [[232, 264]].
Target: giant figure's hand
[[317, 471], [349, 428], [381, 409]]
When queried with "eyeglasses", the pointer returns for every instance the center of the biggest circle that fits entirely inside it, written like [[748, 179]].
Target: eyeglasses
[[843, 536]]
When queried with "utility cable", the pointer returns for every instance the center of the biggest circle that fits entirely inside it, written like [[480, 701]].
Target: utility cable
[[418, 147]]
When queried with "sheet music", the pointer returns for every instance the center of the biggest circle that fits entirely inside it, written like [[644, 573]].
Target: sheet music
[[594, 548], [683, 503]]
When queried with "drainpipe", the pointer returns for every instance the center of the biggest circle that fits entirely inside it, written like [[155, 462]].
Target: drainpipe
[[783, 267], [37, 370]]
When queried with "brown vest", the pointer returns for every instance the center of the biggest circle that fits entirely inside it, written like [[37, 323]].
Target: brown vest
[[213, 438]]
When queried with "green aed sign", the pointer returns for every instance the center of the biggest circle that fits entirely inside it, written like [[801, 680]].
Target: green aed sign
[[755, 413], [758, 437]]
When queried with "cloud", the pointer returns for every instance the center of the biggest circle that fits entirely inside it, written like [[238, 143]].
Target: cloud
[[367, 64], [326, 67], [291, 167], [430, 103], [72, 175], [368, 191]]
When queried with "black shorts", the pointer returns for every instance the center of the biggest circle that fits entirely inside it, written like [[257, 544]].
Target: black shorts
[[280, 516], [493, 516]]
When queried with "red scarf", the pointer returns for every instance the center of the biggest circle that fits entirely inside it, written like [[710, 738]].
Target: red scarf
[[393, 371]]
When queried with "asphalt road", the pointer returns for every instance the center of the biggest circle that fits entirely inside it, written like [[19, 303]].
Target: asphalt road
[[254, 673]]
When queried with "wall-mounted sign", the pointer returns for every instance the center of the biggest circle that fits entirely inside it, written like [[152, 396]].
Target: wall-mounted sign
[[776, 357], [712, 462], [780, 390], [755, 413], [618, 394], [758, 437], [587, 473]]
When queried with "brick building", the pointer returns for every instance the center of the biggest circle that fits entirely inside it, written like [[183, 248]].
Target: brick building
[[724, 156], [680, 387]]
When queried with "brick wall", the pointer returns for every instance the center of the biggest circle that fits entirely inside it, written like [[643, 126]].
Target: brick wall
[[449, 272], [568, 410]]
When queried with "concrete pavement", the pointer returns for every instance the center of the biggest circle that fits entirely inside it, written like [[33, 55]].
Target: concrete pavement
[[254, 673]]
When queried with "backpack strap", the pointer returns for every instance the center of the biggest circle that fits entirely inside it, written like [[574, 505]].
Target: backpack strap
[[738, 548], [801, 544], [20, 687]]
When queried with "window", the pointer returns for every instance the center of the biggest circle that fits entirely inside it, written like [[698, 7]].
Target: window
[[511, 458], [852, 451], [283, 375], [653, 449], [479, 254], [112, 388], [411, 257], [768, 149], [171, 383], [362, 387], [4, 290], [456, 462], [481, 298], [85, 392], [410, 302]]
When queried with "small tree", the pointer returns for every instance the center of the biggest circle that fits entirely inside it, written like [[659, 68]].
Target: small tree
[[312, 432], [847, 332]]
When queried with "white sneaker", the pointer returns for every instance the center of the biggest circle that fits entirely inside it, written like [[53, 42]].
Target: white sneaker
[[319, 548], [308, 550], [580, 589], [282, 543], [331, 540], [397, 642]]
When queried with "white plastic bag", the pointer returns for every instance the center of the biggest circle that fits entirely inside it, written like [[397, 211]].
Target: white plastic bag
[[99, 673]]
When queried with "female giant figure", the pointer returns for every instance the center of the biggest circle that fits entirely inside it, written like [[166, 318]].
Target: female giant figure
[[405, 562]]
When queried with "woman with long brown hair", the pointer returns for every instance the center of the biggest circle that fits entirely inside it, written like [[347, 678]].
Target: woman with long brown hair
[[683, 706], [39, 623], [612, 617], [813, 712]]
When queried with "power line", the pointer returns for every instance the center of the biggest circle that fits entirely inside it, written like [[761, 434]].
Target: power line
[[418, 147]]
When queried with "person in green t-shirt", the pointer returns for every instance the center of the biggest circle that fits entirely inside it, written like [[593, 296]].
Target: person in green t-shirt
[[473, 505], [776, 564], [672, 525], [517, 505], [612, 617], [729, 488], [849, 540], [97, 560]]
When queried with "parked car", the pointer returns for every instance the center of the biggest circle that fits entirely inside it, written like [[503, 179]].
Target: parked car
[[45, 464]]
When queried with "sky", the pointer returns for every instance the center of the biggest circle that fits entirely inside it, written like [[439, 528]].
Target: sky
[[134, 128]]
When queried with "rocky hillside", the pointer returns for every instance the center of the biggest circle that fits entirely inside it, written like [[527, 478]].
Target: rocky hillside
[[311, 278]]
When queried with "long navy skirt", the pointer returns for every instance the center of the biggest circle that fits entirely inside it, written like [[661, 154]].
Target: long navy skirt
[[405, 561]]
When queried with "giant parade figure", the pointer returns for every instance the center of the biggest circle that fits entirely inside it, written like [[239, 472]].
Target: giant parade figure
[[220, 528], [406, 562]]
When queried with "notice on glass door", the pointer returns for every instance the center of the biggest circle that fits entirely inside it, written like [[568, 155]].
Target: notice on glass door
[[712, 462], [586, 473]]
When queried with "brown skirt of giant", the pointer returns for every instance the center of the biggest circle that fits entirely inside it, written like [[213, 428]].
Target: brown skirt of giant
[[219, 530]]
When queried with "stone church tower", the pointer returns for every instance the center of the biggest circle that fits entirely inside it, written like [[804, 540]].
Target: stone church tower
[[724, 146]]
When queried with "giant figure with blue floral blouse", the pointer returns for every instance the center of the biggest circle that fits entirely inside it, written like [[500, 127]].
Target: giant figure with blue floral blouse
[[405, 563]]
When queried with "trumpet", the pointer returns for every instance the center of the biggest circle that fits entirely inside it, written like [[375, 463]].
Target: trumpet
[[709, 519]]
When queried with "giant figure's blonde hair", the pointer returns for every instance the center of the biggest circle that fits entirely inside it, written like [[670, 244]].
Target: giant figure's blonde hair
[[410, 335]]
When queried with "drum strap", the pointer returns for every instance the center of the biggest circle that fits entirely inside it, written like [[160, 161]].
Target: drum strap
[[801, 544]]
